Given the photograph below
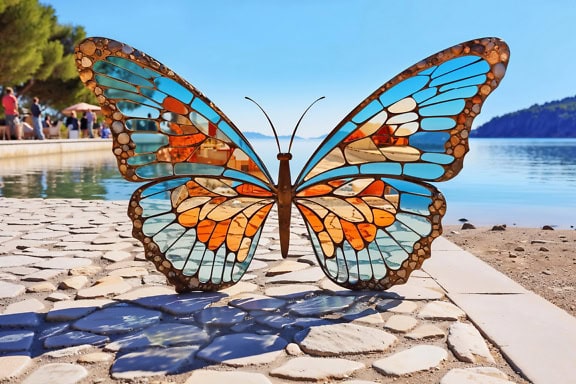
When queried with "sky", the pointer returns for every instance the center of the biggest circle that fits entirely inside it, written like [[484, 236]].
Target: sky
[[286, 54]]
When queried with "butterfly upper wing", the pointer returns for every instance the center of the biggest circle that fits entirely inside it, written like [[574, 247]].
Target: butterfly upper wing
[[364, 194], [201, 215], [161, 125], [416, 126]]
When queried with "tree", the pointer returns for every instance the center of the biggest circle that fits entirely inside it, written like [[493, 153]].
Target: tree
[[37, 54]]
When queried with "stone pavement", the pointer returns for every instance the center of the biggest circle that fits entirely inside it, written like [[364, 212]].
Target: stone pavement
[[80, 304]]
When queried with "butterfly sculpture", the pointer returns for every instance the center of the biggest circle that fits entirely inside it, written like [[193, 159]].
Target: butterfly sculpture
[[364, 194]]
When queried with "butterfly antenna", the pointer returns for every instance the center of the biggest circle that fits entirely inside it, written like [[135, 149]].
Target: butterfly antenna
[[269, 121], [298, 123]]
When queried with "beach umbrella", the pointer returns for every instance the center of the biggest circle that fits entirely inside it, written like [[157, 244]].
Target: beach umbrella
[[81, 107]]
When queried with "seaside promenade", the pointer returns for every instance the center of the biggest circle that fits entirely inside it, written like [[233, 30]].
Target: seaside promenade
[[80, 304]]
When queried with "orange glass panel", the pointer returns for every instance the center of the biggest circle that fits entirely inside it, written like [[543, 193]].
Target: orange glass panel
[[374, 189], [252, 190], [326, 244], [185, 141], [178, 155], [196, 190], [382, 218], [256, 221], [219, 235], [334, 228], [189, 218], [352, 235], [244, 249], [316, 190], [204, 230], [312, 219], [174, 105], [368, 231], [208, 207], [360, 205], [236, 232]]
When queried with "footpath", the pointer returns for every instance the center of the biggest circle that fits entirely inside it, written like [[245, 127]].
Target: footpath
[[80, 304]]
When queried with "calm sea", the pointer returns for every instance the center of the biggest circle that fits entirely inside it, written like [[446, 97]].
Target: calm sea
[[522, 182]]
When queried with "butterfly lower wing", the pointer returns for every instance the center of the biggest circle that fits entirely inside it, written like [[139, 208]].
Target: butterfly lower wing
[[201, 232], [371, 232], [162, 126], [416, 126]]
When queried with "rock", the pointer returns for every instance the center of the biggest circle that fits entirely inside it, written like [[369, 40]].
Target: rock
[[501, 227], [74, 282], [468, 226], [519, 249], [418, 358], [338, 339], [293, 349], [467, 344], [44, 286], [57, 373], [548, 228], [316, 369], [543, 249], [95, 358]]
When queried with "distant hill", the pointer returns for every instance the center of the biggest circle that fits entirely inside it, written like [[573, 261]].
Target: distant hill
[[556, 119]]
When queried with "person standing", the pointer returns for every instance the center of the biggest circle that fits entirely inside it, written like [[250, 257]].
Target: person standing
[[10, 104], [72, 124], [37, 119], [90, 117]]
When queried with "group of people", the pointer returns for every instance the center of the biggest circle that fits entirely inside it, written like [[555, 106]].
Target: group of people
[[83, 127]]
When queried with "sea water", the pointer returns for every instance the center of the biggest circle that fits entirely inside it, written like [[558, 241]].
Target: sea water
[[522, 182]]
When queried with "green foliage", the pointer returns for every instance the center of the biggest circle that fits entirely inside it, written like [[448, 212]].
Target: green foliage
[[554, 119], [38, 55]]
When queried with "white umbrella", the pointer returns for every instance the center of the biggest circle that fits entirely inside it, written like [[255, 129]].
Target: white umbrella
[[81, 107]]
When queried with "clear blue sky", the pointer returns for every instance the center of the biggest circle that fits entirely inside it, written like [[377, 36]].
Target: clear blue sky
[[285, 54]]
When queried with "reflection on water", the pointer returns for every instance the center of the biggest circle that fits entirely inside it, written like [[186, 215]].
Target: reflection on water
[[526, 182]]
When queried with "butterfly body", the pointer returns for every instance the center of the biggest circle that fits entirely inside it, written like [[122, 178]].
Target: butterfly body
[[365, 194]]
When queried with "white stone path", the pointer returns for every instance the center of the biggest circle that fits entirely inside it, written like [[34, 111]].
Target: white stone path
[[79, 304]]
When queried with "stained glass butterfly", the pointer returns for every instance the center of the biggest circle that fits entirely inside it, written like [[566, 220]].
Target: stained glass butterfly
[[364, 194]]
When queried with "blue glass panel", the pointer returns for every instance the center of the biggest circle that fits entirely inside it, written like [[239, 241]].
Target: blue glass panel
[[438, 158], [164, 186], [341, 262], [155, 205], [229, 266], [454, 64], [240, 268], [118, 73], [403, 185], [137, 98], [205, 110], [378, 265], [132, 67], [153, 225], [164, 239], [106, 81], [131, 109], [447, 108], [476, 80], [428, 71], [381, 169], [326, 147], [423, 171], [181, 169], [475, 69], [153, 94], [154, 171], [333, 173], [174, 89], [197, 254], [246, 177], [429, 141], [141, 160], [178, 253], [415, 203], [364, 265], [457, 93], [218, 265], [437, 123], [367, 112], [403, 89], [424, 94], [145, 125], [205, 271], [148, 142], [417, 223]]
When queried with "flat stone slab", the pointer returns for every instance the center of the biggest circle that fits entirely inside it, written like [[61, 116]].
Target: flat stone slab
[[13, 341], [310, 275], [13, 366], [253, 302], [441, 310], [224, 316], [467, 344], [20, 320], [416, 289], [152, 362], [338, 339], [24, 306], [10, 290], [316, 368], [109, 286], [290, 291], [219, 377], [161, 335], [74, 338], [321, 305], [180, 305], [425, 331], [75, 309], [57, 373], [475, 375], [400, 323], [397, 306], [118, 319], [18, 261], [243, 349], [63, 263], [418, 358]]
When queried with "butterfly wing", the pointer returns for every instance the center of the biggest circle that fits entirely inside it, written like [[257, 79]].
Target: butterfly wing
[[201, 215], [161, 125], [200, 231], [364, 194]]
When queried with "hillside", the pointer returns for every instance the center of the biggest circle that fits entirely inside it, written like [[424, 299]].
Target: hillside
[[556, 119]]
